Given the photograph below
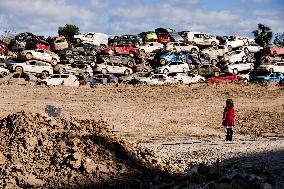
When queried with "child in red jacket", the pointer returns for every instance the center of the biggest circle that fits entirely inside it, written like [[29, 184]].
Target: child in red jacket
[[229, 119]]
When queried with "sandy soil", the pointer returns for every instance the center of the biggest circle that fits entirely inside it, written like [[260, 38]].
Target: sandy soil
[[181, 123]]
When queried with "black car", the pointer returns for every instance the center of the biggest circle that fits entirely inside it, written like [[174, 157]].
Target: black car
[[117, 59], [126, 40], [79, 59], [83, 49]]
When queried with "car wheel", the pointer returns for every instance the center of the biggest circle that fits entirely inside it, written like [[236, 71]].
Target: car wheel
[[271, 70], [162, 61], [53, 62], [213, 43], [216, 74], [127, 72], [213, 61], [106, 59], [43, 83], [29, 56], [103, 46], [71, 60], [61, 70], [86, 75], [180, 82], [166, 71], [246, 51], [193, 50], [206, 56], [245, 81], [230, 48], [78, 40], [19, 69], [94, 52], [44, 74], [130, 63], [68, 52], [244, 59], [104, 71], [4, 74], [235, 71], [195, 72], [184, 70]]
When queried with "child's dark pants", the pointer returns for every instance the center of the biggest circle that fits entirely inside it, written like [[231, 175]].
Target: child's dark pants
[[229, 136]]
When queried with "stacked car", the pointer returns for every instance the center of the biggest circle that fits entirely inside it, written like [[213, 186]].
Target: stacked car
[[162, 56]]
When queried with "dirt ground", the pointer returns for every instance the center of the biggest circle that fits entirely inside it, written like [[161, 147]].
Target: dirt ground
[[181, 123]]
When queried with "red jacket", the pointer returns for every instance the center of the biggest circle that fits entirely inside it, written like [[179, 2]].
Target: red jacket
[[229, 117]]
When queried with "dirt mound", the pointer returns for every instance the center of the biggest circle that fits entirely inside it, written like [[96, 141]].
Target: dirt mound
[[44, 152]]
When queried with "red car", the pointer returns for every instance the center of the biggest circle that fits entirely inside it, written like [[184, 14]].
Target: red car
[[268, 51], [125, 49], [3, 48], [223, 78], [163, 38], [34, 44]]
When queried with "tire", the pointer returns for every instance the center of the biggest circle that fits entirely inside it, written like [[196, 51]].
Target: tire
[[61, 70], [43, 84], [206, 56], [180, 82], [184, 70], [230, 48], [69, 52], [235, 71], [78, 40], [4, 74], [214, 62], [104, 71], [244, 59], [213, 43], [94, 52], [86, 75], [162, 61], [216, 74], [193, 50], [126, 72], [130, 63], [53, 62], [246, 51], [165, 71], [19, 69], [106, 59], [71, 60], [29, 56], [44, 74], [195, 72], [245, 81], [103, 46], [271, 70]]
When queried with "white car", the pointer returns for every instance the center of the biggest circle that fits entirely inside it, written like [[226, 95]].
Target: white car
[[199, 38], [157, 79], [150, 47], [187, 78], [36, 67], [99, 39], [180, 46], [236, 56], [50, 57], [251, 48], [109, 68], [173, 67], [235, 41], [215, 51], [61, 79], [276, 67], [238, 67]]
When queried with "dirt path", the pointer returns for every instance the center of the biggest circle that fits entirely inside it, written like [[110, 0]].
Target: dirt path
[[182, 123]]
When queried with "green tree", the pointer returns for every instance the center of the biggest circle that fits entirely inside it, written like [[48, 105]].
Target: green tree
[[69, 31], [263, 35], [279, 39]]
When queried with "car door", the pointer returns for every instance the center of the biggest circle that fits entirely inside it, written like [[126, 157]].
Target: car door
[[30, 66]]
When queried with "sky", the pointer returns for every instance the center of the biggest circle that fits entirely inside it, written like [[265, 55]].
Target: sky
[[115, 17]]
